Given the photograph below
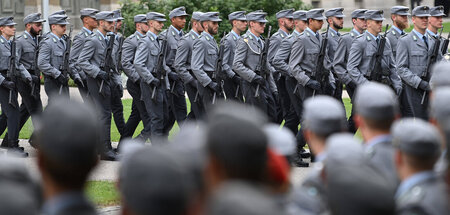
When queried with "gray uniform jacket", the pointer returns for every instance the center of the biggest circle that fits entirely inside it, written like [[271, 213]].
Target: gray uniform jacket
[[146, 58], [361, 55], [412, 58], [246, 59], [128, 51], [5, 54], [93, 54], [281, 58], [184, 56], [303, 57], [26, 49], [229, 47], [381, 156], [77, 46], [51, 51], [204, 58], [172, 44], [333, 40], [275, 42], [393, 37], [427, 197], [341, 57]]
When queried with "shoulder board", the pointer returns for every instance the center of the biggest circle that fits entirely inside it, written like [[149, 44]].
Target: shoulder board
[[323, 33], [404, 35], [245, 36], [23, 35], [131, 36], [54, 40], [193, 37], [276, 34], [80, 33], [290, 35], [93, 35], [1, 40], [361, 35], [346, 33]]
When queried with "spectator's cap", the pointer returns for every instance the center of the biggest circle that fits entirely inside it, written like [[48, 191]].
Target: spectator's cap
[[179, 11], [440, 76], [117, 15], [421, 11], [336, 12], [377, 15], [7, 21], [67, 134], [156, 16], [197, 16], [400, 10], [316, 14], [105, 15], [300, 15], [151, 179], [440, 103], [257, 16], [416, 137], [59, 12], [359, 14], [281, 140], [33, 18], [324, 115], [91, 12], [237, 15], [288, 13], [140, 18], [211, 16], [437, 11], [58, 20], [376, 101]]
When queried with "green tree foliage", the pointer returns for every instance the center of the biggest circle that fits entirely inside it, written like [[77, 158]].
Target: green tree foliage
[[131, 8]]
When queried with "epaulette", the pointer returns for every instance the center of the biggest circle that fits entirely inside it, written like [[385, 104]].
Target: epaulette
[[131, 36], [276, 34], [359, 35], [23, 35], [404, 35]]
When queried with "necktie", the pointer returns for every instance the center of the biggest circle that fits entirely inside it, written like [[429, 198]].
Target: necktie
[[63, 43], [378, 41], [317, 36], [425, 39], [181, 34], [403, 33], [338, 34]]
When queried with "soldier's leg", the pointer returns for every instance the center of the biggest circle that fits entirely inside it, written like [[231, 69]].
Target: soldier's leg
[[136, 116], [351, 123], [117, 107], [207, 98], [178, 102], [290, 118], [230, 88], [155, 109], [12, 115], [195, 100], [270, 104], [414, 97], [251, 99]]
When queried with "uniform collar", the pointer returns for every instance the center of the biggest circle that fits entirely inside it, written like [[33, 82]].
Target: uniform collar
[[152, 34], [310, 31], [377, 140], [56, 37], [176, 30], [296, 32], [100, 33], [2, 37], [418, 34], [373, 36], [333, 31], [196, 34], [87, 30], [30, 35], [397, 29], [235, 34], [257, 38], [207, 35], [139, 34], [413, 181], [356, 32], [283, 32], [431, 33]]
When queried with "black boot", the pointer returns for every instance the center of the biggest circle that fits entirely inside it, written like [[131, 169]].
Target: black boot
[[14, 149], [32, 140], [5, 143], [108, 152]]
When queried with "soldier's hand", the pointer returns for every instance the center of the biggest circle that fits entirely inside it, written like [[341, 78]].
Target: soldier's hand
[[351, 85], [214, 86], [424, 86], [173, 76], [193, 83], [154, 82], [35, 78], [102, 75], [258, 80], [236, 79], [61, 79], [8, 85], [330, 88], [276, 75], [29, 81], [313, 84]]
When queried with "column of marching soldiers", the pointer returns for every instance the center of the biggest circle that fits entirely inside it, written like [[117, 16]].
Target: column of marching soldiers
[[275, 74]]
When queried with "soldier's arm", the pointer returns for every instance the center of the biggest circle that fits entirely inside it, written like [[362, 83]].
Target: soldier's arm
[[2, 78], [226, 58], [77, 46], [86, 55], [328, 59], [274, 44], [198, 61], [181, 58], [339, 66], [296, 57], [127, 60], [280, 59], [354, 60], [240, 56], [44, 65], [395, 78], [272, 84], [23, 73], [140, 59], [403, 64]]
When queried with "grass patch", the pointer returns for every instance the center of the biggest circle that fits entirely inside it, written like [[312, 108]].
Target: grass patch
[[102, 193]]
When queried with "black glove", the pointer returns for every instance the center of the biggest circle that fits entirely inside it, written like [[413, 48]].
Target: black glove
[[102, 75], [313, 84], [62, 79], [258, 80], [193, 83], [29, 81], [35, 78], [351, 85], [424, 86], [154, 82], [78, 82], [8, 84], [236, 79], [330, 88], [173, 76], [214, 86], [276, 75]]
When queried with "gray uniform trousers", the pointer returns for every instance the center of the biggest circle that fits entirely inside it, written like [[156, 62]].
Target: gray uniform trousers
[[233, 90]]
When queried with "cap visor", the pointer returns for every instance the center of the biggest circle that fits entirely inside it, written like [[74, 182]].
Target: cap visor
[[340, 16], [319, 18], [422, 15], [160, 20], [403, 14], [216, 20], [110, 20], [440, 14]]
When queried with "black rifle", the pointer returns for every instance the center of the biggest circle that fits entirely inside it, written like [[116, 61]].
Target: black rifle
[[108, 63], [34, 66], [159, 68], [321, 74], [216, 77], [431, 60], [64, 67], [11, 74], [121, 40], [261, 68], [378, 74], [445, 45]]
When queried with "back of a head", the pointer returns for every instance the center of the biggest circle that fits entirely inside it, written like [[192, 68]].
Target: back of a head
[[324, 115], [151, 181], [239, 146], [376, 102], [67, 140], [440, 77], [354, 186], [227, 109], [440, 104]]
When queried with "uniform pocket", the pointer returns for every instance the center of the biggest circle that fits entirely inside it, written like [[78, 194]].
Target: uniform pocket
[[417, 58]]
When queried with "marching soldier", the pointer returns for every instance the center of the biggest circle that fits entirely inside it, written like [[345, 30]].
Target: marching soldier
[[8, 93], [246, 61], [138, 111], [341, 57], [59, 12], [399, 17], [413, 53], [91, 60], [89, 24], [361, 62], [417, 148], [172, 35], [286, 25], [204, 58], [281, 63], [232, 82], [435, 22], [153, 85], [183, 65], [335, 18]]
